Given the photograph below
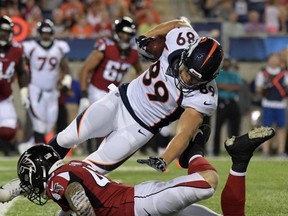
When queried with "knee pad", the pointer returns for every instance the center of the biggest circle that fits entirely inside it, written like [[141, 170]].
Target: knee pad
[[7, 133]]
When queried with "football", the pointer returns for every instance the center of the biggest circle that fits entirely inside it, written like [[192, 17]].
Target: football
[[156, 46]]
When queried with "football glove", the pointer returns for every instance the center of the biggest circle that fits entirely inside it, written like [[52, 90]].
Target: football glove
[[157, 163], [142, 42], [25, 97]]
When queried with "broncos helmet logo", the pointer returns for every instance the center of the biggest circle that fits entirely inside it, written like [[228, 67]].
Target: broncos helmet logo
[[26, 164]]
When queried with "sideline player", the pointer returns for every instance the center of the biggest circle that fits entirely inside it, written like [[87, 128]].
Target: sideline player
[[77, 187], [107, 64], [11, 61], [48, 64]]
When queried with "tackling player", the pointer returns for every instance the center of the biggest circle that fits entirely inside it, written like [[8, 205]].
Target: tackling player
[[77, 187], [48, 64], [11, 61]]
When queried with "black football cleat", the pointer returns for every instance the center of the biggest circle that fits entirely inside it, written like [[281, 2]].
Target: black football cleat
[[196, 145], [241, 148]]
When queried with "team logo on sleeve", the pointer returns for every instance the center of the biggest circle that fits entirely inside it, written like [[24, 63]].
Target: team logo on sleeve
[[56, 189]]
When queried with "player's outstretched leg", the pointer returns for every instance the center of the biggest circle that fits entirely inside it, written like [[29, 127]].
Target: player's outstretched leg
[[10, 190], [196, 145], [241, 148]]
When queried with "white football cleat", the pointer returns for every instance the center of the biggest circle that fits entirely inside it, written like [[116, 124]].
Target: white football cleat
[[10, 190]]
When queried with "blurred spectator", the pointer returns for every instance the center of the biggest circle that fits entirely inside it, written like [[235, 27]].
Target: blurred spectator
[[105, 27], [245, 95], [48, 7], [224, 9], [272, 84], [272, 17], [118, 8], [254, 26], [231, 28], [59, 27], [241, 9], [229, 83], [257, 5], [70, 9], [140, 9], [82, 29], [94, 12], [9, 8], [208, 7], [284, 58], [32, 14], [149, 24], [30, 10]]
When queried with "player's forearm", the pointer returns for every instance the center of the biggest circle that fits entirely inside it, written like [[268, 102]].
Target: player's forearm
[[78, 201], [83, 78], [174, 149], [83, 84], [64, 66], [187, 126], [164, 28], [22, 74]]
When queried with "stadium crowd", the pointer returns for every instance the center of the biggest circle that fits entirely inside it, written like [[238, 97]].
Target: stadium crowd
[[92, 18]]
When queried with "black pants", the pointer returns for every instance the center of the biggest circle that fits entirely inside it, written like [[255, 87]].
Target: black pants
[[227, 110]]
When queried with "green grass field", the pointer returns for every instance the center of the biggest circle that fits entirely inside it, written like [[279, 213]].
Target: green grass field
[[266, 185]]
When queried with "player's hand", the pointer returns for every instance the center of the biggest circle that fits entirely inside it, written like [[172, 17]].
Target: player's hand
[[25, 97], [142, 42], [68, 213], [157, 163], [83, 104]]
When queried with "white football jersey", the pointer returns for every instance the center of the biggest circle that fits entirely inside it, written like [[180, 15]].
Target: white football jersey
[[44, 63], [153, 97]]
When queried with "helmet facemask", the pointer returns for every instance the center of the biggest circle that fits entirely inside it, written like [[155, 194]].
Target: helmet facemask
[[195, 79], [123, 40], [35, 186], [46, 40]]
